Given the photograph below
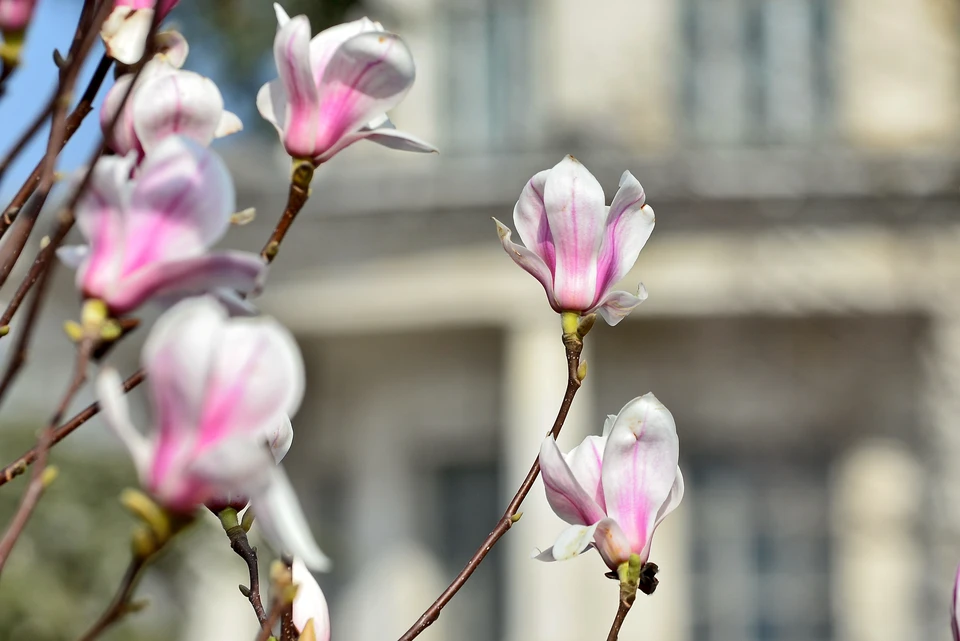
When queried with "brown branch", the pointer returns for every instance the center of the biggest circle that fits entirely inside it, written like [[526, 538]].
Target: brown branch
[[120, 605], [619, 619], [299, 193], [276, 611], [574, 346], [240, 544], [19, 466], [31, 497]]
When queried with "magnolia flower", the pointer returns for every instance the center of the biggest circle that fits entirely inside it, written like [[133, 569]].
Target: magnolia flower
[[165, 101], [309, 605], [150, 236], [615, 489], [576, 246], [220, 387], [15, 15], [955, 608], [335, 89], [125, 30]]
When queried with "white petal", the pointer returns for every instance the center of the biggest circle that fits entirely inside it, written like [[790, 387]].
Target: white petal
[[283, 523], [116, 413]]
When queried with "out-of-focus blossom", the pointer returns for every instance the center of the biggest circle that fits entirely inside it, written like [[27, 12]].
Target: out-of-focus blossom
[[125, 30], [615, 489], [165, 101], [335, 89], [219, 387], [309, 605], [576, 246], [955, 608], [149, 236], [15, 15]]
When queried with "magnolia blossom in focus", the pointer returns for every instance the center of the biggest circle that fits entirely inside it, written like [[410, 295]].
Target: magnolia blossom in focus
[[15, 15], [615, 489], [149, 236], [220, 388], [576, 246], [125, 30], [165, 101], [335, 89], [309, 605]]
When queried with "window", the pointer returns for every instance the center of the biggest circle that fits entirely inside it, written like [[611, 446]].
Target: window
[[761, 553], [756, 71], [487, 74]]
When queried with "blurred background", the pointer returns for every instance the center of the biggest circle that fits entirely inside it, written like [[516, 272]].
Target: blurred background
[[803, 325]]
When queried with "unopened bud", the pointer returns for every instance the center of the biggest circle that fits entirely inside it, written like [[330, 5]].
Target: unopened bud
[[44, 242], [149, 512], [50, 474], [308, 633], [247, 521], [244, 217], [582, 371], [586, 324], [73, 330], [142, 543]]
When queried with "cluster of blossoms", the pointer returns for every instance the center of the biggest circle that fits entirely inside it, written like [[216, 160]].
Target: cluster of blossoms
[[224, 380]]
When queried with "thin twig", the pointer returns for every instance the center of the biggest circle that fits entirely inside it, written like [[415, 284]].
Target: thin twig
[[240, 544], [573, 350], [35, 489], [619, 619], [120, 605], [276, 611], [297, 197], [288, 631], [19, 466]]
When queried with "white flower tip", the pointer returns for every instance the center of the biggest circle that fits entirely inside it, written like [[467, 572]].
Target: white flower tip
[[648, 212], [642, 292], [535, 552], [282, 17]]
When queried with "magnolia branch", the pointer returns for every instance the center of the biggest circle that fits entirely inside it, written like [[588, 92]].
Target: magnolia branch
[[240, 544], [573, 344], [120, 605], [299, 193], [618, 620]]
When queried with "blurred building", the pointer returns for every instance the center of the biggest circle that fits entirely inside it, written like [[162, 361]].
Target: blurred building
[[803, 323]]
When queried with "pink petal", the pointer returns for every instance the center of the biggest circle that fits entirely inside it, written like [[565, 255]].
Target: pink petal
[[385, 134], [272, 105], [617, 305], [291, 49], [100, 219], [181, 204], [530, 217], [173, 279], [123, 138], [368, 75], [576, 213], [572, 542], [172, 46], [612, 544], [309, 603], [15, 14], [629, 225], [569, 500], [640, 468], [325, 44], [182, 103], [116, 414], [586, 461], [532, 263]]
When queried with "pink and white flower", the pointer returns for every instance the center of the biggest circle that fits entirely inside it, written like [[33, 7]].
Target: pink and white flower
[[220, 389], [615, 489], [124, 32], [15, 15], [150, 236], [576, 246], [955, 608], [309, 605], [335, 89], [165, 101]]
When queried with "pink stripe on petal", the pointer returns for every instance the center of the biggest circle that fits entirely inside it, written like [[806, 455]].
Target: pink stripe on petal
[[629, 225], [291, 49], [568, 499], [529, 261]]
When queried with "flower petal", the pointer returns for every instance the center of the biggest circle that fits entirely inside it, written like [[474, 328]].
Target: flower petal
[[124, 33], [176, 279], [576, 212], [116, 414], [182, 103], [181, 204], [569, 500], [532, 263], [309, 604], [612, 544], [291, 49], [281, 439], [629, 225], [585, 462], [272, 104], [73, 255], [618, 304], [955, 608], [530, 217], [571, 543], [123, 138], [283, 523], [230, 123], [172, 46], [368, 75], [325, 44], [640, 468]]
